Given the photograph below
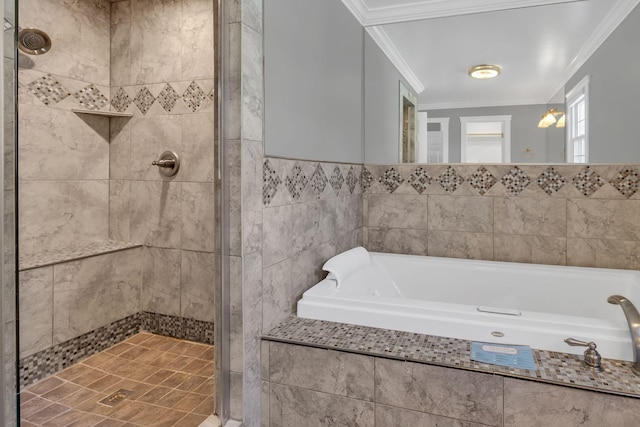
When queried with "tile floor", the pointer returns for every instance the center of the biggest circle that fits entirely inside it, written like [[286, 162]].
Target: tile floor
[[170, 380]]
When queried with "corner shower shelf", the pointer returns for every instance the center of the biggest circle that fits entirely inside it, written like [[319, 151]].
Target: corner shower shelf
[[102, 113]]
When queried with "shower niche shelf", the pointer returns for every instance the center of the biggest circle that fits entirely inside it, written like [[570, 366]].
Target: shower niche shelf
[[102, 113]]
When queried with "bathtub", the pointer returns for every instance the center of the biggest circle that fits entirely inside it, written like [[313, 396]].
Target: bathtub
[[524, 304]]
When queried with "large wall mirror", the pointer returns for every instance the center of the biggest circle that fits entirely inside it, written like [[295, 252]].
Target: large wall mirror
[[568, 82]]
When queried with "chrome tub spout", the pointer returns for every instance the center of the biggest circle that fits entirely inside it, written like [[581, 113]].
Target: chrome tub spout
[[633, 318]]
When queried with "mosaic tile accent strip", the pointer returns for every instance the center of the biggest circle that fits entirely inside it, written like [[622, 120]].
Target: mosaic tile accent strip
[[48, 90], [296, 181], [167, 98], [550, 181], [391, 179], [58, 357], [587, 181], [91, 98], [336, 180], [45, 258], [178, 327], [121, 101], [482, 180], [61, 356], [318, 180], [194, 96], [515, 181], [366, 179], [270, 182], [352, 180], [626, 182], [554, 368], [144, 100], [450, 180], [419, 180]]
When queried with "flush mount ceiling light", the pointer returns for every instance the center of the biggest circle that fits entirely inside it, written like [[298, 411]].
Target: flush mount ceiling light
[[484, 71]]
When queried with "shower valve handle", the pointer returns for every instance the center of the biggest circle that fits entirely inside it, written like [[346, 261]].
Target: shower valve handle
[[165, 163], [592, 359], [169, 163]]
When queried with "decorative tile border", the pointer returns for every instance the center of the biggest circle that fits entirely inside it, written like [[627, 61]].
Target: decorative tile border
[[57, 256], [554, 368], [47, 362], [51, 92], [514, 181], [300, 181]]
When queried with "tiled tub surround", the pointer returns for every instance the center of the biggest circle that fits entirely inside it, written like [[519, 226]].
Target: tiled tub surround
[[363, 376], [561, 215]]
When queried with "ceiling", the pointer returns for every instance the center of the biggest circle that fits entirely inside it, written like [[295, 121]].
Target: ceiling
[[539, 48]]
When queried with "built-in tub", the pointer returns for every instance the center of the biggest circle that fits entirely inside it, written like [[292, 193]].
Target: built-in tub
[[488, 301]]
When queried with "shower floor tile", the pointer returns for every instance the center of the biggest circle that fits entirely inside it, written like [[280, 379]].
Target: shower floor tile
[[146, 380]]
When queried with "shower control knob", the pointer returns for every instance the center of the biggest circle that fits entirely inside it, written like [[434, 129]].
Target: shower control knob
[[169, 163]]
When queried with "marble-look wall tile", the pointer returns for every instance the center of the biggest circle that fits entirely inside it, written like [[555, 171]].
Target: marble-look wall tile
[[234, 170], [388, 416], [95, 291], [307, 269], [235, 310], [452, 244], [197, 57], [120, 148], [291, 406], [312, 224], [535, 404], [536, 216], [277, 234], [36, 310], [463, 395], [604, 219], [328, 371], [465, 213], [155, 23], [60, 214], [198, 154], [530, 249], [150, 137], [396, 211], [252, 84], [197, 289], [276, 294], [198, 216], [264, 420], [156, 213], [66, 23], [252, 269], [252, 14], [161, 281], [61, 145], [603, 253], [120, 43], [119, 210], [397, 240], [235, 395]]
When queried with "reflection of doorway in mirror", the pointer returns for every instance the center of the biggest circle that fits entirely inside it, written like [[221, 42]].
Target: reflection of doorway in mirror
[[485, 139], [433, 139], [408, 125]]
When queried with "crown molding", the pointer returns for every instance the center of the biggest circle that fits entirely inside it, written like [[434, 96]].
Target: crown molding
[[614, 18], [386, 45], [479, 104], [435, 9]]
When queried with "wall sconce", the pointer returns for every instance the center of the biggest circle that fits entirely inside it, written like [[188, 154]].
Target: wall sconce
[[549, 118]]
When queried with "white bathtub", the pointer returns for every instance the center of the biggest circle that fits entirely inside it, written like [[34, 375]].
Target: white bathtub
[[487, 301]]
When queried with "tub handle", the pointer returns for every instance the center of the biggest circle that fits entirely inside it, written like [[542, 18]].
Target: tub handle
[[592, 359]]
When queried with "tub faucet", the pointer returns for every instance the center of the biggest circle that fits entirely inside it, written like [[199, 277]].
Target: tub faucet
[[633, 318]]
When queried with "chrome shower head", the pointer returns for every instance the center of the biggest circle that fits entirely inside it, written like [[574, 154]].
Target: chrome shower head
[[33, 41]]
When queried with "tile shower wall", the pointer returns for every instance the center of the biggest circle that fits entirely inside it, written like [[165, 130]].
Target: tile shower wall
[[561, 214], [162, 72], [63, 156]]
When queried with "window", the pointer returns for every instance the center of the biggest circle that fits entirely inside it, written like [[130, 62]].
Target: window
[[578, 123], [485, 139]]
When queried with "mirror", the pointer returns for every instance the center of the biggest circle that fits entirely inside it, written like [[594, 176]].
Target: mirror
[[407, 124], [545, 54]]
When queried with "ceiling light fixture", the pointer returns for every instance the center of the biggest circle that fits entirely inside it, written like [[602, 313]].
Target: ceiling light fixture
[[484, 71]]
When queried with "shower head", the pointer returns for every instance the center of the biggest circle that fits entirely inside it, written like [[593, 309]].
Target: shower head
[[33, 42]]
